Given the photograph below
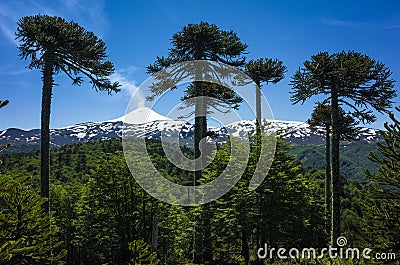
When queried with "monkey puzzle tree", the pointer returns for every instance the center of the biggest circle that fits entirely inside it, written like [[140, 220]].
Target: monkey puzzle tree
[[320, 122], [264, 70], [27, 235], [346, 78], [203, 41], [55, 45], [384, 188]]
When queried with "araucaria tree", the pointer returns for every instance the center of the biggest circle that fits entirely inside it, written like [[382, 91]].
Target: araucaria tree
[[203, 41], [384, 187], [264, 70], [55, 45], [320, 122], [26, 236], [346, 78]]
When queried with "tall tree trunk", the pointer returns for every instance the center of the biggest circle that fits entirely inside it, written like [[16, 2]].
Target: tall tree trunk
[[328, 178], [200, 125], [335, 229], [258, 112], [200, 131], [143, 226], [45, 131], [207, 239], [154, 235], [245, 245], [258, 226]]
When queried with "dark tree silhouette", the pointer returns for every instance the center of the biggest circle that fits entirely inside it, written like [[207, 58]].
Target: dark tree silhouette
[[55, 45]]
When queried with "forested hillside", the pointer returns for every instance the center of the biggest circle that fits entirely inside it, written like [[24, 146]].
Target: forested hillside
[[353, 160], [99, 209]]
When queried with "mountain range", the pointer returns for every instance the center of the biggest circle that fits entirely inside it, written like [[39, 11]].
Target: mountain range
[[144, 122]]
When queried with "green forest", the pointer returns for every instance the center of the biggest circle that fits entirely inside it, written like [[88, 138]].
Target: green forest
[[80, 203], [99, 212]]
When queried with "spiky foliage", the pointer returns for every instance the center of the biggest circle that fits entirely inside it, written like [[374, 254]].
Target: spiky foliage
[[71, 49], [220, 97], [202, 41], [142, 254], [389, 159], [320, 122], [360, 82], [55, 45], [3, 103], [26, 233], [385, 186], [346, 78]]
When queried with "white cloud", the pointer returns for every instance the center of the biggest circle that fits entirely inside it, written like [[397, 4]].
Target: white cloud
[[342, 23], [7, 31], [393, 27], [128, 86]]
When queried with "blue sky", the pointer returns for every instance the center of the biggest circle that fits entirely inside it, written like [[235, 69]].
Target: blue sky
[[137, 31]]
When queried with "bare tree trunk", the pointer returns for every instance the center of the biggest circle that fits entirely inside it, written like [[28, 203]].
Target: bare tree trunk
[[154, 236], [328, 179], [200, 131], [258, 112], [335, 229], [45, 131], [245, 246], [200, 126]]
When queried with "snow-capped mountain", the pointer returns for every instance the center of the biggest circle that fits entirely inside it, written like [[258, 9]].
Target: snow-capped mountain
[[146, 123]]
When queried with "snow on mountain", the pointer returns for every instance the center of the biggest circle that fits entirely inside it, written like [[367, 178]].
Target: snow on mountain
[[145, 123], [140, 115]]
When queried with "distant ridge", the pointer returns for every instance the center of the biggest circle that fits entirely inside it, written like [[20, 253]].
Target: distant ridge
[[146, 123]]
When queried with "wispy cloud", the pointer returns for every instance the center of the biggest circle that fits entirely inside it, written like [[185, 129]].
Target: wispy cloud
[[128, 85], [12, 70], [343, 23], [393, 27], [379, 25], [7, 31]]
